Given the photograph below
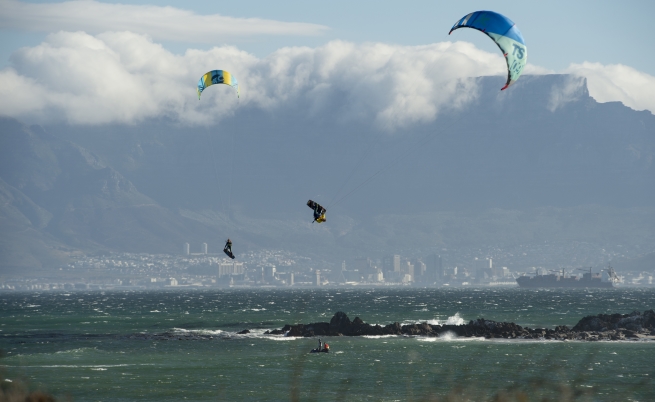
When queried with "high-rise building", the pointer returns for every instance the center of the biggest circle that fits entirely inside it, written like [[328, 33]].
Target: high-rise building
[[391, 263], [378, 276], [269, 271], [483, 263], [434, 269], [419, 270], [204, 248], [230, 268], [387, 264], [186, 250], [318, 278], [408, 269]]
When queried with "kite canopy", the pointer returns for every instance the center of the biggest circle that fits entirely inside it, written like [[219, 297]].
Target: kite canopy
[[217, 77], [507, 36]]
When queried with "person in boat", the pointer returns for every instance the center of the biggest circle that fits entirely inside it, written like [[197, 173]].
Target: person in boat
[[326, 347], [228, 249], [320, 345]]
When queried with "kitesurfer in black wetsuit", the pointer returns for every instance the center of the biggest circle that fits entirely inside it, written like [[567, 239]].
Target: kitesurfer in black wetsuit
[[228, 249], [319, 211]]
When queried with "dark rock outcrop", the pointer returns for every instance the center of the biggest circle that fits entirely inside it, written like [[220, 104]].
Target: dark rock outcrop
[[634, 321], [593, 328], [602, 327]]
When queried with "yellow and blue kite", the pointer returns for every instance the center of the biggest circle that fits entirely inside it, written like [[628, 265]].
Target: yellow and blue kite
[[217, 77], [507, 36]]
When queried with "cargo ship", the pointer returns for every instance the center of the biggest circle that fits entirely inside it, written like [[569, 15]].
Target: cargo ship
[[561, 280]]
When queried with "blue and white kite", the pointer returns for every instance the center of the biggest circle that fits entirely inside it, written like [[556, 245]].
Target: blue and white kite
[[507, 36]]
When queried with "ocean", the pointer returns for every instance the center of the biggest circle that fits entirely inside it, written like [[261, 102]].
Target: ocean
[[89, 345]]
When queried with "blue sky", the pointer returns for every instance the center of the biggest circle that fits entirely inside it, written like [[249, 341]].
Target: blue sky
[[139, 47], [557, 32]]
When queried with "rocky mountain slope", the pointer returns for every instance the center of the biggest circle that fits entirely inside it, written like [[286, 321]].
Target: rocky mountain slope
[[541, 162]]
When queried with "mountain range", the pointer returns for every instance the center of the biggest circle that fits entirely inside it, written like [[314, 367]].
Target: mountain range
[[542, 161]]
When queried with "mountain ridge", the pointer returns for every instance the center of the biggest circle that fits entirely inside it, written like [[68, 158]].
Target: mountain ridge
[[545, 143]]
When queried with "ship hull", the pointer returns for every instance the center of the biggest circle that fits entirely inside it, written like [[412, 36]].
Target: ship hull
[[528, 282]]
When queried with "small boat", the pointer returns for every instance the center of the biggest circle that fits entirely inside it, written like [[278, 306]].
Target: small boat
[[320, 351]]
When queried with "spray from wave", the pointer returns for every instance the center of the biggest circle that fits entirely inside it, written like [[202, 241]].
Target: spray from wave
[[452, 320]]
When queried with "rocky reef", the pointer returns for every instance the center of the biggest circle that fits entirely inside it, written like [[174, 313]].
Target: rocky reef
[[635, 326]]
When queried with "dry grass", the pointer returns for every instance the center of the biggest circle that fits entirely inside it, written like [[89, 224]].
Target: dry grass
[[17, 392]]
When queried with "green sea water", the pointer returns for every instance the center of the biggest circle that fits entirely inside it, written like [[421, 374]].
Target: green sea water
[[80, 345]]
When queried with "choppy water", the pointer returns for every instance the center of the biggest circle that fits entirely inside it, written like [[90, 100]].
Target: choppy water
[[76, 344]]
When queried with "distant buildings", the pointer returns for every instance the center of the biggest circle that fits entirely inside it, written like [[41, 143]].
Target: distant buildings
[[419, 269], [186, 249], [269, 272], [282, 268], [434, 272], [229, 268], [286, 278], [391, 263]]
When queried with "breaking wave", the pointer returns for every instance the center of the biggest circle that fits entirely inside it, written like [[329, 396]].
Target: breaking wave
[[452, 320]]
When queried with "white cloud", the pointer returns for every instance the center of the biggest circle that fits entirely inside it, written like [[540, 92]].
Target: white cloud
[[616, 82], [571, 90], [161, 23], [126, 77]]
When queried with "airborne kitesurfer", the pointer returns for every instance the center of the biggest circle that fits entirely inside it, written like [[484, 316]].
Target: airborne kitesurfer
[[228, 249], [319, 211]]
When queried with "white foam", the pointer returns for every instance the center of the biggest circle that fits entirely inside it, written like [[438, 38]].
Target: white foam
[[282, 337], [379, 336], [448, 336], [452, 320], [455, 320], [200, 331], [258, 333], [92, 367], [78, 350]]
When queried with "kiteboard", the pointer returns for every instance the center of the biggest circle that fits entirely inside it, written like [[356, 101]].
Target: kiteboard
[[316, 207]]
